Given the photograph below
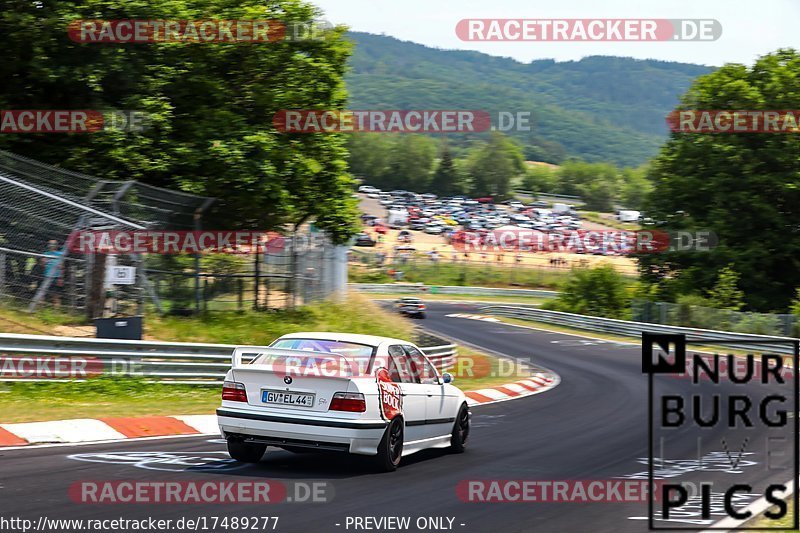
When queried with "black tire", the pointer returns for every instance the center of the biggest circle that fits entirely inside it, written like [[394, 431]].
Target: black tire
[[421, 315], [458, 440], [245, 452], [390, 450]]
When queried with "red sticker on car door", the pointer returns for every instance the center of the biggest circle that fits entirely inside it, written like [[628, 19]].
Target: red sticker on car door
[[391, 397]]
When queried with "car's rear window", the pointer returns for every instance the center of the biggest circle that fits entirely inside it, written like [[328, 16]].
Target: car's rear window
[[358, 353]]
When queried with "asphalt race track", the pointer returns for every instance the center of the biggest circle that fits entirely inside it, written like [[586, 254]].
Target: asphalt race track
[[593, 426]]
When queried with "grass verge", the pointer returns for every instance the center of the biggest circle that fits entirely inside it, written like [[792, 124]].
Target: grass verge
[[43, 322], [598, 218], [786, 522], [110, 397], [466, 275], [113, 397], [100, 398]]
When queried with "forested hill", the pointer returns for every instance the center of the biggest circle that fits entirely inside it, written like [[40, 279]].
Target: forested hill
[[598, 108]]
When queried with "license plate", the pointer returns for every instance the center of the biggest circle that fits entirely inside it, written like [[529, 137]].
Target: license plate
[[287, 398]]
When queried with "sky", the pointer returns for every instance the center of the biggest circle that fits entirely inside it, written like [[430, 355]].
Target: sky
[[750, 28]]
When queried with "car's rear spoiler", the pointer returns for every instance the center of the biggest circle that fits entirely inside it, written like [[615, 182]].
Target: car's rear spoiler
[[345, 369]]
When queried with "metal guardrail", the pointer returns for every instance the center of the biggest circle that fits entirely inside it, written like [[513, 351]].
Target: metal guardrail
[[165, 362], [746, 341], [407, 288], [563, 198]]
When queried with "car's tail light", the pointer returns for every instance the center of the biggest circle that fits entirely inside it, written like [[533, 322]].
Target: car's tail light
[[422, 306], [352, 402], [234, 392]]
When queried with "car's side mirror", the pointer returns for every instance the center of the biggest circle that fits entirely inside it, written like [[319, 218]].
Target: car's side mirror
[[447, 377]]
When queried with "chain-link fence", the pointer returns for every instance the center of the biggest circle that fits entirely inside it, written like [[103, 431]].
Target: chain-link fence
[[695, 316], [41, 206], [307, 268], [22, 274], [35, 223]]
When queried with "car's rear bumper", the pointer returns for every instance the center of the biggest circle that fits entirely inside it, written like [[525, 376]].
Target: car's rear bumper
[[354, 436]]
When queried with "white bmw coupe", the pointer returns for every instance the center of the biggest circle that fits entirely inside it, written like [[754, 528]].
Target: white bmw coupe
[[359, 394]]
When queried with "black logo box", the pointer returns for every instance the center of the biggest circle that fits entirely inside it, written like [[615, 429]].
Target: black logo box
[[675, 345]]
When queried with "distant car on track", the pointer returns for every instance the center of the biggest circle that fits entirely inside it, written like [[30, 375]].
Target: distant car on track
[[413, 307], [359, 394]]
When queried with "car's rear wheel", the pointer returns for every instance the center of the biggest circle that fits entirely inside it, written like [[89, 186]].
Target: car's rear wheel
[[458, 440], [390, 450], [245, 452]]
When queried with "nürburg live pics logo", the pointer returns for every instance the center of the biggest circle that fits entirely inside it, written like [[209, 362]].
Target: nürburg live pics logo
[[722, 432]]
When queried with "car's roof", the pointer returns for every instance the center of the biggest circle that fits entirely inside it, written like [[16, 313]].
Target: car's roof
[[369, 340]]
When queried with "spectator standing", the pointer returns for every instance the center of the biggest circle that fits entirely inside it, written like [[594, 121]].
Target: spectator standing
[[54, 270]]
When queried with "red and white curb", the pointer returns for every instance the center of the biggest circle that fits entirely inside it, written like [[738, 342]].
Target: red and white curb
[[536, 384], [483, 318], [87, 430], [106, 429]]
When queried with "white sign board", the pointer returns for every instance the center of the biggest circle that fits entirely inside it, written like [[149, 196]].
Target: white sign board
[[120, 275]]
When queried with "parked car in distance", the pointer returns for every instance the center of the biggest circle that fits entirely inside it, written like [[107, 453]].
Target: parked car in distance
[[405, 236], [434, 229], [363, 239]]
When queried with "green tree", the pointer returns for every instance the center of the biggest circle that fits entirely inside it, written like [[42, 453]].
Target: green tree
[[446, 180], [635, 187], [595, 183], [411, 163], [795, 307], [211, 107], [743, 187], [599, 291], [493, 166], [369, 155], [726, 293], [598, 195], [540, 178]]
